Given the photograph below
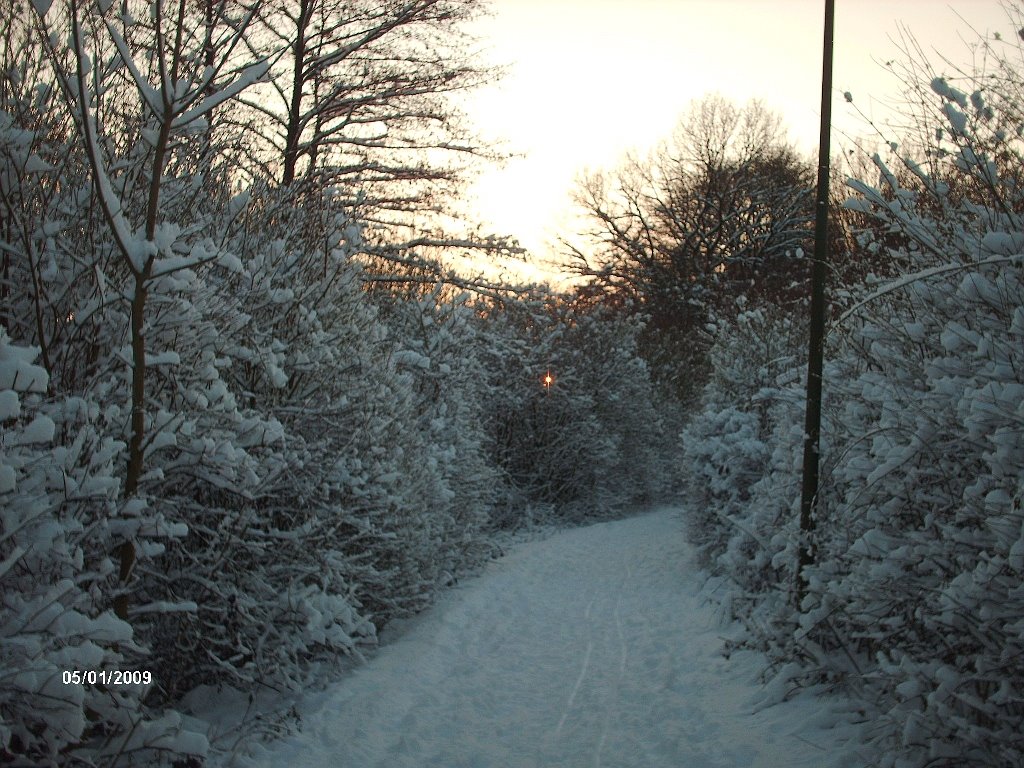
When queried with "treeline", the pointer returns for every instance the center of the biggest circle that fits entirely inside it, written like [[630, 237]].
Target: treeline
[[249, 416]]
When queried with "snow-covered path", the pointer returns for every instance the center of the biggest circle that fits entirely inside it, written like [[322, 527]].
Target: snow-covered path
[[591, 648]]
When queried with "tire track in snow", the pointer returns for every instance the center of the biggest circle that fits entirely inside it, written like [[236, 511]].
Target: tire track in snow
[[623, 658], [576, 687], [617, 613]]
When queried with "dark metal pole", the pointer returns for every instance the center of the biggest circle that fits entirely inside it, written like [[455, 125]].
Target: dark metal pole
[[815, 353]]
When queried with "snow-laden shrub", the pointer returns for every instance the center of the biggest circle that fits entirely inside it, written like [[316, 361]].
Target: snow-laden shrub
[[753, 355], [913, 602], [918, 582], [741, 459], [725, 454], [240, 595], [266, 594], [440, 356], [917, 589], [60, 518], [587, 441], [728, 443], [382, 481]]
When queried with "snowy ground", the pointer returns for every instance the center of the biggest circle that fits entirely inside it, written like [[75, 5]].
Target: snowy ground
[[591, 648]]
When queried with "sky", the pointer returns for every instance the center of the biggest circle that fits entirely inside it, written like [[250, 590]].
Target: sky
[[588, 80]]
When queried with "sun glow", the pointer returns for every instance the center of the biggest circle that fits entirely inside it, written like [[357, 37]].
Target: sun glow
[[588, 80]]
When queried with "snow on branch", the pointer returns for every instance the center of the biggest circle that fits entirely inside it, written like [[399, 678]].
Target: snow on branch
[[924, 274]]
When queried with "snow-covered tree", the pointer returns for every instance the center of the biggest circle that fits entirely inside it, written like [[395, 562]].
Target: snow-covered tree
[[720, 211]]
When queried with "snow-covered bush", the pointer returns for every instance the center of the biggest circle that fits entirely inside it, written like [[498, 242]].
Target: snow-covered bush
[[726, 454], [125, 289], [144, 302], [921, 565], [738, 471], [266, 601], [913, 602], [60, 517], [588, 440], [754, 355], [921, 523], [441, 356], [321, 360]]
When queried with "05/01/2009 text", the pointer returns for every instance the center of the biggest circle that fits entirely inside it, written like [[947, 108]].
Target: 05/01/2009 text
[[106, 677]]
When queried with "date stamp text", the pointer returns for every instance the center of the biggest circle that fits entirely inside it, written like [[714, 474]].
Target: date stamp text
[[107, 677]]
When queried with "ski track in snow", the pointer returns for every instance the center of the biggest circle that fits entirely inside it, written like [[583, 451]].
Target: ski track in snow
[[592, 648]]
